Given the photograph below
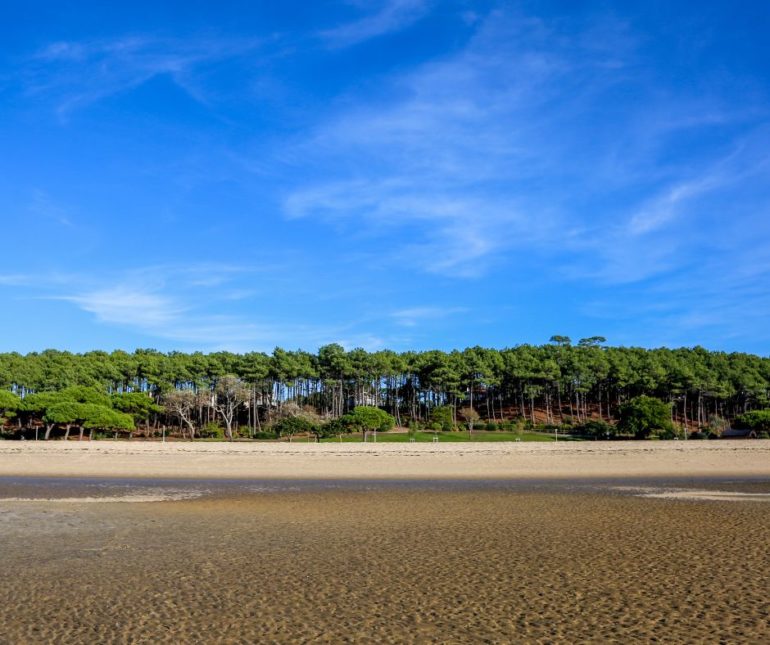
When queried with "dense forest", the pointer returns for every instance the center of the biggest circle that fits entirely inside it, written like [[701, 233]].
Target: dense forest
[[555, 384]]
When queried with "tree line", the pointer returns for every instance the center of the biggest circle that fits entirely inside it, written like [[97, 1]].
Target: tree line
[[559, 383]]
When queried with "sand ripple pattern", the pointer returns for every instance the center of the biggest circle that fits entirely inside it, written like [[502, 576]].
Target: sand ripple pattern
[[389, 566]]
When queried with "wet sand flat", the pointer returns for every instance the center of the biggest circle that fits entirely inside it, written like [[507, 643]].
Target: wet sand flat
[[384, 460], [378, 562]]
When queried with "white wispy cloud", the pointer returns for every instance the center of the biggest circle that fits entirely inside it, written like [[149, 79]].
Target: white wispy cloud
[[42, 206], [513, 148], [130, 306], [389, 16], [178, 318], [457, 232], [446, 159], [413, 316], [723, 298], [666, 206], [740, 164], [685, 219], [76, 74], [16, 279], [179, 305]]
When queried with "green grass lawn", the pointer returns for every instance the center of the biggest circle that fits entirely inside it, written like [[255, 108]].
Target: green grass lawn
[[448, 437]]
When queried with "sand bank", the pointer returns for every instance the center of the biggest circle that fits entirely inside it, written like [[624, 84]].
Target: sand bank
[[385, 460]]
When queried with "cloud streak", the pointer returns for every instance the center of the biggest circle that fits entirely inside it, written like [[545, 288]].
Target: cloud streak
[[75, 75], [414, 316], [194, 306], [515, 145], [44, 207], [454, 160], [129, 306], [392, 16]]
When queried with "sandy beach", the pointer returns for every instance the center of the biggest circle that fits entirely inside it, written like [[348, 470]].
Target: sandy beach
[[386, 543], [461, 562], [386, 460]]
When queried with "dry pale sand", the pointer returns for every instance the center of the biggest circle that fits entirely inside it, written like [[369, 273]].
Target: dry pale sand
[[467, 563], [386, 460]]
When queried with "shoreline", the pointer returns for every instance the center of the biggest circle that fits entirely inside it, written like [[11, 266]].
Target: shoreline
[[386, 461]]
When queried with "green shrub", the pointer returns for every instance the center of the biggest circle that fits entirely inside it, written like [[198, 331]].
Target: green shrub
[[367, 418], [646, 416], [596, 428], [758, 420], [667, 433], [334, 428], [289, 426], [212, 430], [444, 416]]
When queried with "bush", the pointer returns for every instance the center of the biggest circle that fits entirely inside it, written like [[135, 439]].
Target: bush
[[715, 427], [289, 426], [596, 428], [365, 418], [334, 428], [646, 416], [471, 416], [763, 435], [443, 415], [212, 430], [758, 420]]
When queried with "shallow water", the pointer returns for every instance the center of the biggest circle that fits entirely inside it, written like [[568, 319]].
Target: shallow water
[[382, 561], [71, 488]]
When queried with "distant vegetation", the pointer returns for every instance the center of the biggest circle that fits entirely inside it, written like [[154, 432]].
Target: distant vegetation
[[584, 389]]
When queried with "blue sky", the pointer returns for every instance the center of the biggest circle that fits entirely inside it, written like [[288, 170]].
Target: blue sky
[[407, 174]]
